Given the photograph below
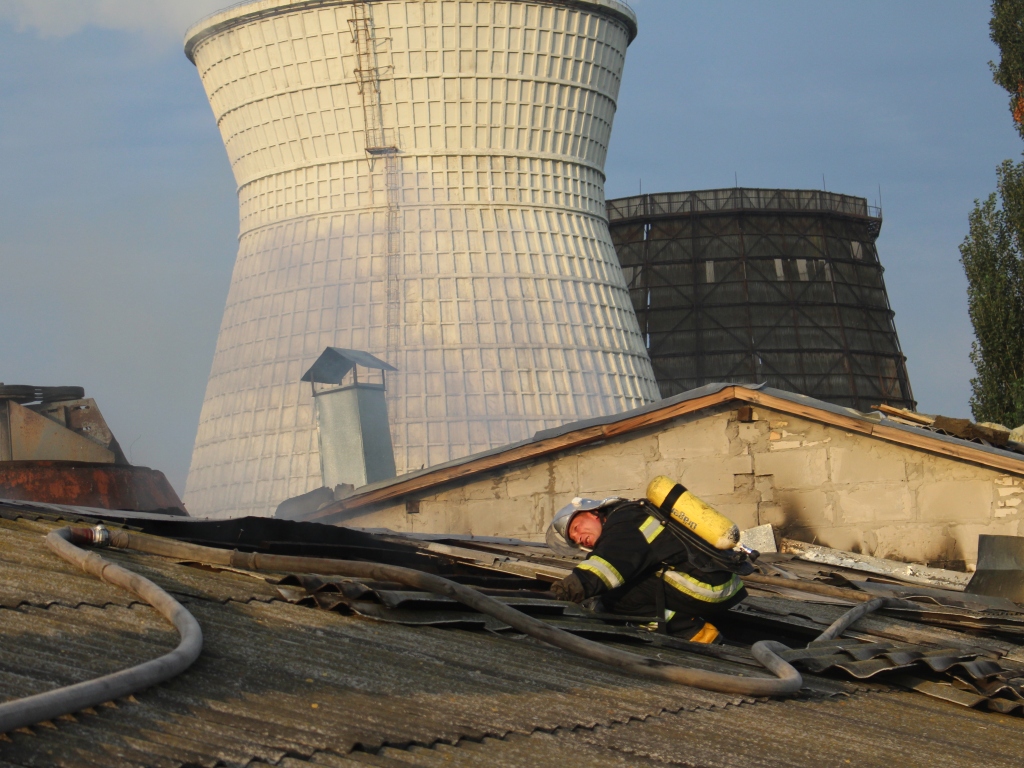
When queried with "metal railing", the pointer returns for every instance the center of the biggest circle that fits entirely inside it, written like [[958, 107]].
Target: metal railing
[[739, 199]]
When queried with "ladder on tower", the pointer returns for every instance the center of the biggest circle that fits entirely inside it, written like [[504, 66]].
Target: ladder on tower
[[380, 143]]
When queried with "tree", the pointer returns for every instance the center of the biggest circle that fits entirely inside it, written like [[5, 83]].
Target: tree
[[993, 252], [992, 259], [1007, 28]]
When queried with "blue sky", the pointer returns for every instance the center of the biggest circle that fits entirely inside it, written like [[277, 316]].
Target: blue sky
[[118, 216]]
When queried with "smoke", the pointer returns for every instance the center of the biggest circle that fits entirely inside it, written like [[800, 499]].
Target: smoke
[[163, 21]]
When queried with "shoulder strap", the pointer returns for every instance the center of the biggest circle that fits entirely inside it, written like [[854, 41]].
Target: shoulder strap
[[625, 505], [699, 552], [671, 498]]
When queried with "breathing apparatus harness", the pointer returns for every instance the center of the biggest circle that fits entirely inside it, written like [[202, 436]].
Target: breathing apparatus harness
[[699, 553]]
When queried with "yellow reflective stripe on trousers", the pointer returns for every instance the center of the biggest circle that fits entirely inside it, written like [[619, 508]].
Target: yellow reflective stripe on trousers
[[651, 528], [698, 590], [604, 570]]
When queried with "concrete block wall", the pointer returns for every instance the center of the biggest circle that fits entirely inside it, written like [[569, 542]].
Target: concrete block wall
[[813, 482]]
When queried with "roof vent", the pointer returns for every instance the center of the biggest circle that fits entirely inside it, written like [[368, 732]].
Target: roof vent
[[351, 417]]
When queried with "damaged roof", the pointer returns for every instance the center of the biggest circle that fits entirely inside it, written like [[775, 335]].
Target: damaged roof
[[580, 433], [296, 674]]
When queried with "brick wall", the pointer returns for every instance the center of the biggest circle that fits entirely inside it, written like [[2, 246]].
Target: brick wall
[[813, 482]]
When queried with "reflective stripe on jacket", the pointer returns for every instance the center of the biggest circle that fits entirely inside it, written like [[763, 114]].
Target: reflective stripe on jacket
[[634, 546], [699, 590], [651, 528], [604, 570]]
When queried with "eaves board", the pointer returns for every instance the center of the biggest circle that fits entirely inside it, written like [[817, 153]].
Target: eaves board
[[910, 437]]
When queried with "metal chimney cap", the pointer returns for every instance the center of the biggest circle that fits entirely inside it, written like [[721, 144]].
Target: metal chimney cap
[[334, 363]]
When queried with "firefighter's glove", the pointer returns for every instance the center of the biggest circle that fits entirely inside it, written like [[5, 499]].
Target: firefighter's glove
[[570, 588]]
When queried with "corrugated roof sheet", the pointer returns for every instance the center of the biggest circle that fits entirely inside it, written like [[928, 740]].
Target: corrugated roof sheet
[[287, 685], [876, 731]]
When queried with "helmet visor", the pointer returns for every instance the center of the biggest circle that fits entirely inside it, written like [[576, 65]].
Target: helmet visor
[[557, 534], [561, 546]]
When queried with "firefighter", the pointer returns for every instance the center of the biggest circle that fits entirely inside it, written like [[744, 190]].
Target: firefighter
[[642, 563]]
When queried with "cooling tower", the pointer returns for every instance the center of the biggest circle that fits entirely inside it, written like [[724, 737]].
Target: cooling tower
[[763, 285], [422, 180]]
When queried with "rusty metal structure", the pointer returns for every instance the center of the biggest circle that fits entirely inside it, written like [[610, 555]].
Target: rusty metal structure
[[773, 286], [103, 486], [56, 448]]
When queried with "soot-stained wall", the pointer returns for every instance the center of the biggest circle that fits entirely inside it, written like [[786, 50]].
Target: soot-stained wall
[[813, 482]]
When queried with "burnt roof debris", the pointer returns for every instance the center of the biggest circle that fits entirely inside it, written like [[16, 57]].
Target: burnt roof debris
[[992, 686], [388, 674], [993, 435], [939, 608]]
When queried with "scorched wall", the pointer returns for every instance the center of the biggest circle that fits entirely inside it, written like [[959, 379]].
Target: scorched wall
[[814, 482]]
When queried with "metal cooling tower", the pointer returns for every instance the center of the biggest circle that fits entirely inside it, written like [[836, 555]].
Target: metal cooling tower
[[420, 179], [762, 285]]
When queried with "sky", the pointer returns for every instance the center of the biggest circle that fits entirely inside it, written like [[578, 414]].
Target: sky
[[119, 220]]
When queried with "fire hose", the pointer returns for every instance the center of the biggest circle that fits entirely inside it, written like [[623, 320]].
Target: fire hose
[[73, 698], [47, 706]]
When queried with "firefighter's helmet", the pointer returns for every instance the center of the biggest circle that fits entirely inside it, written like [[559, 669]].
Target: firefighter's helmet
[[558, 532]]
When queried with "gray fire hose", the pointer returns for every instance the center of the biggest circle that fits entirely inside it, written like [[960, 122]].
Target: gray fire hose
[[787, 680], [46, 706], [841, 624]]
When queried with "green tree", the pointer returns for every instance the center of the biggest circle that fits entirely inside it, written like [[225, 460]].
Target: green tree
[[992, 254], [992, 259], [1007, 28]]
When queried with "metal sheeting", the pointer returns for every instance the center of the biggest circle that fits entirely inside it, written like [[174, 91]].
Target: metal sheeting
[[986, 682], [815, 617], [334, 363], [944, 673], [879, 731], [942, 621], [863, 660], [252, 693]]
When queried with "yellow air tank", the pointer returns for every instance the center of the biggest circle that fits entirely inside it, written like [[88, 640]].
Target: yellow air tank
[[692, 513]]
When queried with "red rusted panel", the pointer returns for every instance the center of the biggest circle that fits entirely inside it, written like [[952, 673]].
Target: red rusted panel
[[87, 485]]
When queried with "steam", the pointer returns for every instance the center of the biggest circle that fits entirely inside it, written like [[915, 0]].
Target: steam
[[164, 21]]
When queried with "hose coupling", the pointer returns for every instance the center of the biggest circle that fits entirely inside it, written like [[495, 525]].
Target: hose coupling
[[94, 537]]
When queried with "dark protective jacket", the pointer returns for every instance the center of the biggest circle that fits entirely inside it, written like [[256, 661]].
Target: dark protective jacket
[[637, 552]]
